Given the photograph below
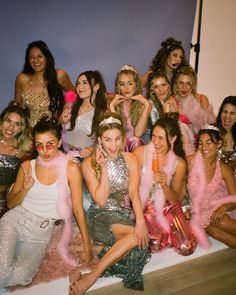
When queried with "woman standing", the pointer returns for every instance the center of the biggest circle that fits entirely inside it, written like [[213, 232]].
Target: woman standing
[[40, 197], [40, 86], [15, 144], [107, 174], [169, 58]]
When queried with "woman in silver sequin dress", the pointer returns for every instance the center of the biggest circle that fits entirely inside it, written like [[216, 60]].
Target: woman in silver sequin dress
[[15, 143], [107, 174]]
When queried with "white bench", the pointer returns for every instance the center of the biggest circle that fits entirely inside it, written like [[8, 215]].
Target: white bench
[[158, 261]]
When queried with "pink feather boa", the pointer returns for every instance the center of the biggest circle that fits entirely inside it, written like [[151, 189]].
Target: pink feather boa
[[64, 204], [147, 182]]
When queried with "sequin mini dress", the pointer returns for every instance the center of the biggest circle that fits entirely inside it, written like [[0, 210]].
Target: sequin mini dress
[[117, 211], [38, 105]]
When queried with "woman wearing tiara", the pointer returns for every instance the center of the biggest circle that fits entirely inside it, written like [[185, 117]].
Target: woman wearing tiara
[[212, 189], [125, 240], [133, 107]]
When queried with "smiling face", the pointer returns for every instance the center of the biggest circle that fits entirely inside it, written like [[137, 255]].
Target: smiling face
[[161, 88], [159, 139], [184, 86], [11, 126], [126, 85], [174, 59], [83, 87], [228, 116], [37, 59], [207, 147], [112, 141], [47, 145]]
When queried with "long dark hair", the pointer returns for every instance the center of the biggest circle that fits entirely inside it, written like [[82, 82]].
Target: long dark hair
[[167, 46], [50, 75], [100, 101], [171, 127], [228, 100]]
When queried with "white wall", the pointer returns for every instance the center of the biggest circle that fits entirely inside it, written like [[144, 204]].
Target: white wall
[[217, 62]]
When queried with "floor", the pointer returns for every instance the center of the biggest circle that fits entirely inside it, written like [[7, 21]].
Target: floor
[[160, 274]]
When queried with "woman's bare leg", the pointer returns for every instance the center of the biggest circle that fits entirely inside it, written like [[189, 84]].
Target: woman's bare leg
[[222, 235], [125, 242]]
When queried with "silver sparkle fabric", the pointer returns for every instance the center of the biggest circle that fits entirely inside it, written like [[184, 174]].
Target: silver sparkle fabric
[[24, 237], [9, 166], [117, 209]]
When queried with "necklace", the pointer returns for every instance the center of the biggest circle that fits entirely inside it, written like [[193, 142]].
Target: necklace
[[6, 143]]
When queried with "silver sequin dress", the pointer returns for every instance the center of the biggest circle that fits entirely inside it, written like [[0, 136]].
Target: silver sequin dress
[[117, 211]]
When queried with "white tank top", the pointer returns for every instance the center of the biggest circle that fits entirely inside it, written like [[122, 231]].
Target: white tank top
[[42, 199]]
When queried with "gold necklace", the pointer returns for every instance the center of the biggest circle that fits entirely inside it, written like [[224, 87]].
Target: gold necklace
[[6, 143]]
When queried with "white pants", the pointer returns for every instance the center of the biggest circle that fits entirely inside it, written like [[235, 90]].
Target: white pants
[[24, 238]]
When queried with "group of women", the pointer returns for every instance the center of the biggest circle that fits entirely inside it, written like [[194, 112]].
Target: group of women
[[128, 160]]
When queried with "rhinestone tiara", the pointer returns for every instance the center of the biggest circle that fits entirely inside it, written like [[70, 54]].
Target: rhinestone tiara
[[127, 68], [110, 120], [209, 127]]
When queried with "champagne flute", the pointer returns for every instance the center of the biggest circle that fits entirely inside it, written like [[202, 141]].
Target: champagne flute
[[155, 163]]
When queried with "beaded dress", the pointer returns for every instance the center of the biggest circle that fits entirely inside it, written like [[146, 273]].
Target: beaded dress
[[9, 166], [37, 103], [117, 211]]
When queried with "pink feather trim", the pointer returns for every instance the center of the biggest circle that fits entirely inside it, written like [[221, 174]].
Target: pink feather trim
[[196, 186], [64, 204], [70, 96], [147, 182]]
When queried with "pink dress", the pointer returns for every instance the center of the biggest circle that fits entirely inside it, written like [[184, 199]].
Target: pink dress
[[132, 141], [205, 197], [166, 222]]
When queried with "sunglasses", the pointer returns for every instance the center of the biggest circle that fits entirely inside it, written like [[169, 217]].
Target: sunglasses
[[48, 146]]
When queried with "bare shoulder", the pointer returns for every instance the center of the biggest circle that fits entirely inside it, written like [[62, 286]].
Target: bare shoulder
[[61, 74], [21, 78], [182, 164], [130, 159], [73, 165], [225, 169], [87, 162]]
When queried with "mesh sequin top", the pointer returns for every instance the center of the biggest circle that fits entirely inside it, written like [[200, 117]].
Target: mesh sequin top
[[9, 166], [37, 103], [79, 137], [117, 209]]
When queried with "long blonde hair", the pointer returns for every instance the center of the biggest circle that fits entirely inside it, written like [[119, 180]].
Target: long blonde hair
[[136, 107]]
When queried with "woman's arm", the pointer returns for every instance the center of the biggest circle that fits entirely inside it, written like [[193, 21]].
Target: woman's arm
[[141, 125], [76, 187], [174, 191], [229, 178], [64, 80], [99, 190], [18, 88], [22, 185], [141, 232]]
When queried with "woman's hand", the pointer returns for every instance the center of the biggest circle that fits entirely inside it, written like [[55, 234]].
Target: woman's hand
[[218, 215], [160, 177], [141, 234], [28, 180], [115, 101], [87, 256], [66, 114], [141, 99], [100, 156]]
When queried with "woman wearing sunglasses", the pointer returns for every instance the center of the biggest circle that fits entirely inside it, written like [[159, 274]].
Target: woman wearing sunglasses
[[46, 190]]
